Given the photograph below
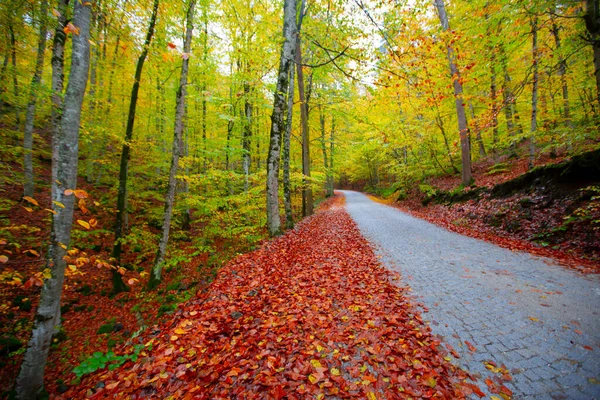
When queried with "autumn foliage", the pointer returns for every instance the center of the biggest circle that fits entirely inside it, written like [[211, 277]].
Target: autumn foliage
[[310, 313]]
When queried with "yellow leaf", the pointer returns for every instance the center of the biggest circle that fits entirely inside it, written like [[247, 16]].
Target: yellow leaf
[[3, 259], [58, 203], [31, 200], [316, 363], [174, 338], [163, 375], [55, 12], [143, 274], [47, 273], [534, 319], [192, 313], [62, 245], [335, 372], [83, 223], [96, 204], [72, 267], [180, 331], [371, 396], [68, 192], [29, 209], [93, 222], [51, 211], [313, 379]]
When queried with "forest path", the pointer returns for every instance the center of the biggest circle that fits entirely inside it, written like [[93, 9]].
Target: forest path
[[538, 319]]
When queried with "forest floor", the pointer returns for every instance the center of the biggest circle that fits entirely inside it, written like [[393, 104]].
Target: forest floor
[[311, 313], [550, 219]]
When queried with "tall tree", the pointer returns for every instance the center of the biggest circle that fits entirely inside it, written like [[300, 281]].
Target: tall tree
[[118, 284], [287, 189], [307, 195], [463, 128], [28, 186], [31, 376], [592, 23], [178, 148], [534, 90], [277, 117]]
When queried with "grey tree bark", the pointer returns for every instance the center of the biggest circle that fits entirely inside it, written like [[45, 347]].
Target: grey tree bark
[[29, 184], [287, 189], [58, 52], [562, 73], [246, 135], [277, 117], [466, 175], [534, 92], [178, 148], [31, 376], [118, 284]]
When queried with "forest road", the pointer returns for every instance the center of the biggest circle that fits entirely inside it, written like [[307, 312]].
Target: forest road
[[540, 320]]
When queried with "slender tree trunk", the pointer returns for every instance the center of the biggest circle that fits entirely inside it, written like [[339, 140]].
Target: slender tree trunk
[[118, 284], [204, 58], [534, 92], [493, 98], [307, 198], [155, 277], [31, 376], [331, 148], [467, 176], [13, 56], [562, 73], [29, 184], [508, 101], [287, 189], [58, 52], [477, 131], [246, 135], [326, 166], [277, 117], [592, 23], [440, 125]]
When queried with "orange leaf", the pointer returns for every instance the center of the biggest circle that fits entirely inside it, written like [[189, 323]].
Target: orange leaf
[[113, 385], [80, 194], [470, 346], [172, 45], [68, 192], [31, 200], [93, 222]]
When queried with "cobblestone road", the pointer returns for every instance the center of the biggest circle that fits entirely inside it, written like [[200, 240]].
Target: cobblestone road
[[537, 318]]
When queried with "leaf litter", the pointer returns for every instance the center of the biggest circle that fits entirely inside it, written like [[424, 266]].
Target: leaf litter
[[310, 314]]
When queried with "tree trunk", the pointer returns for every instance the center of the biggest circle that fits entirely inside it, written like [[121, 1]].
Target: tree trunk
[[29, 184], [534, 92], [58, 52], [118, 284], [246, 135], [493, 98], [13, 56], [463, 128], [287, 190], [31, 376], [592, 23], [562, 73], [307, 198], [155, 276], [277, 117], [478, 137], [331, 147]]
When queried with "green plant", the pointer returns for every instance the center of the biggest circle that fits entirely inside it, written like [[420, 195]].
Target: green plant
[[99, 360]]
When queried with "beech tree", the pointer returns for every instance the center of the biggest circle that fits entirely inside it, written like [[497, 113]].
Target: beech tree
[[31, 377], [277, 117], [118, 284], [178, 146]]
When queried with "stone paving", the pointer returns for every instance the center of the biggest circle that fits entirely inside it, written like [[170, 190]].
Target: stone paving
[[538, 319]]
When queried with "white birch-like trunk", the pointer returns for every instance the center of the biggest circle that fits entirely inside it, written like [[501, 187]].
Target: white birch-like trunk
[[277, 117], [31, 376]]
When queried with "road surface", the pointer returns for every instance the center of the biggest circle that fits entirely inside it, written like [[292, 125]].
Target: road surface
[[537, 318]]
